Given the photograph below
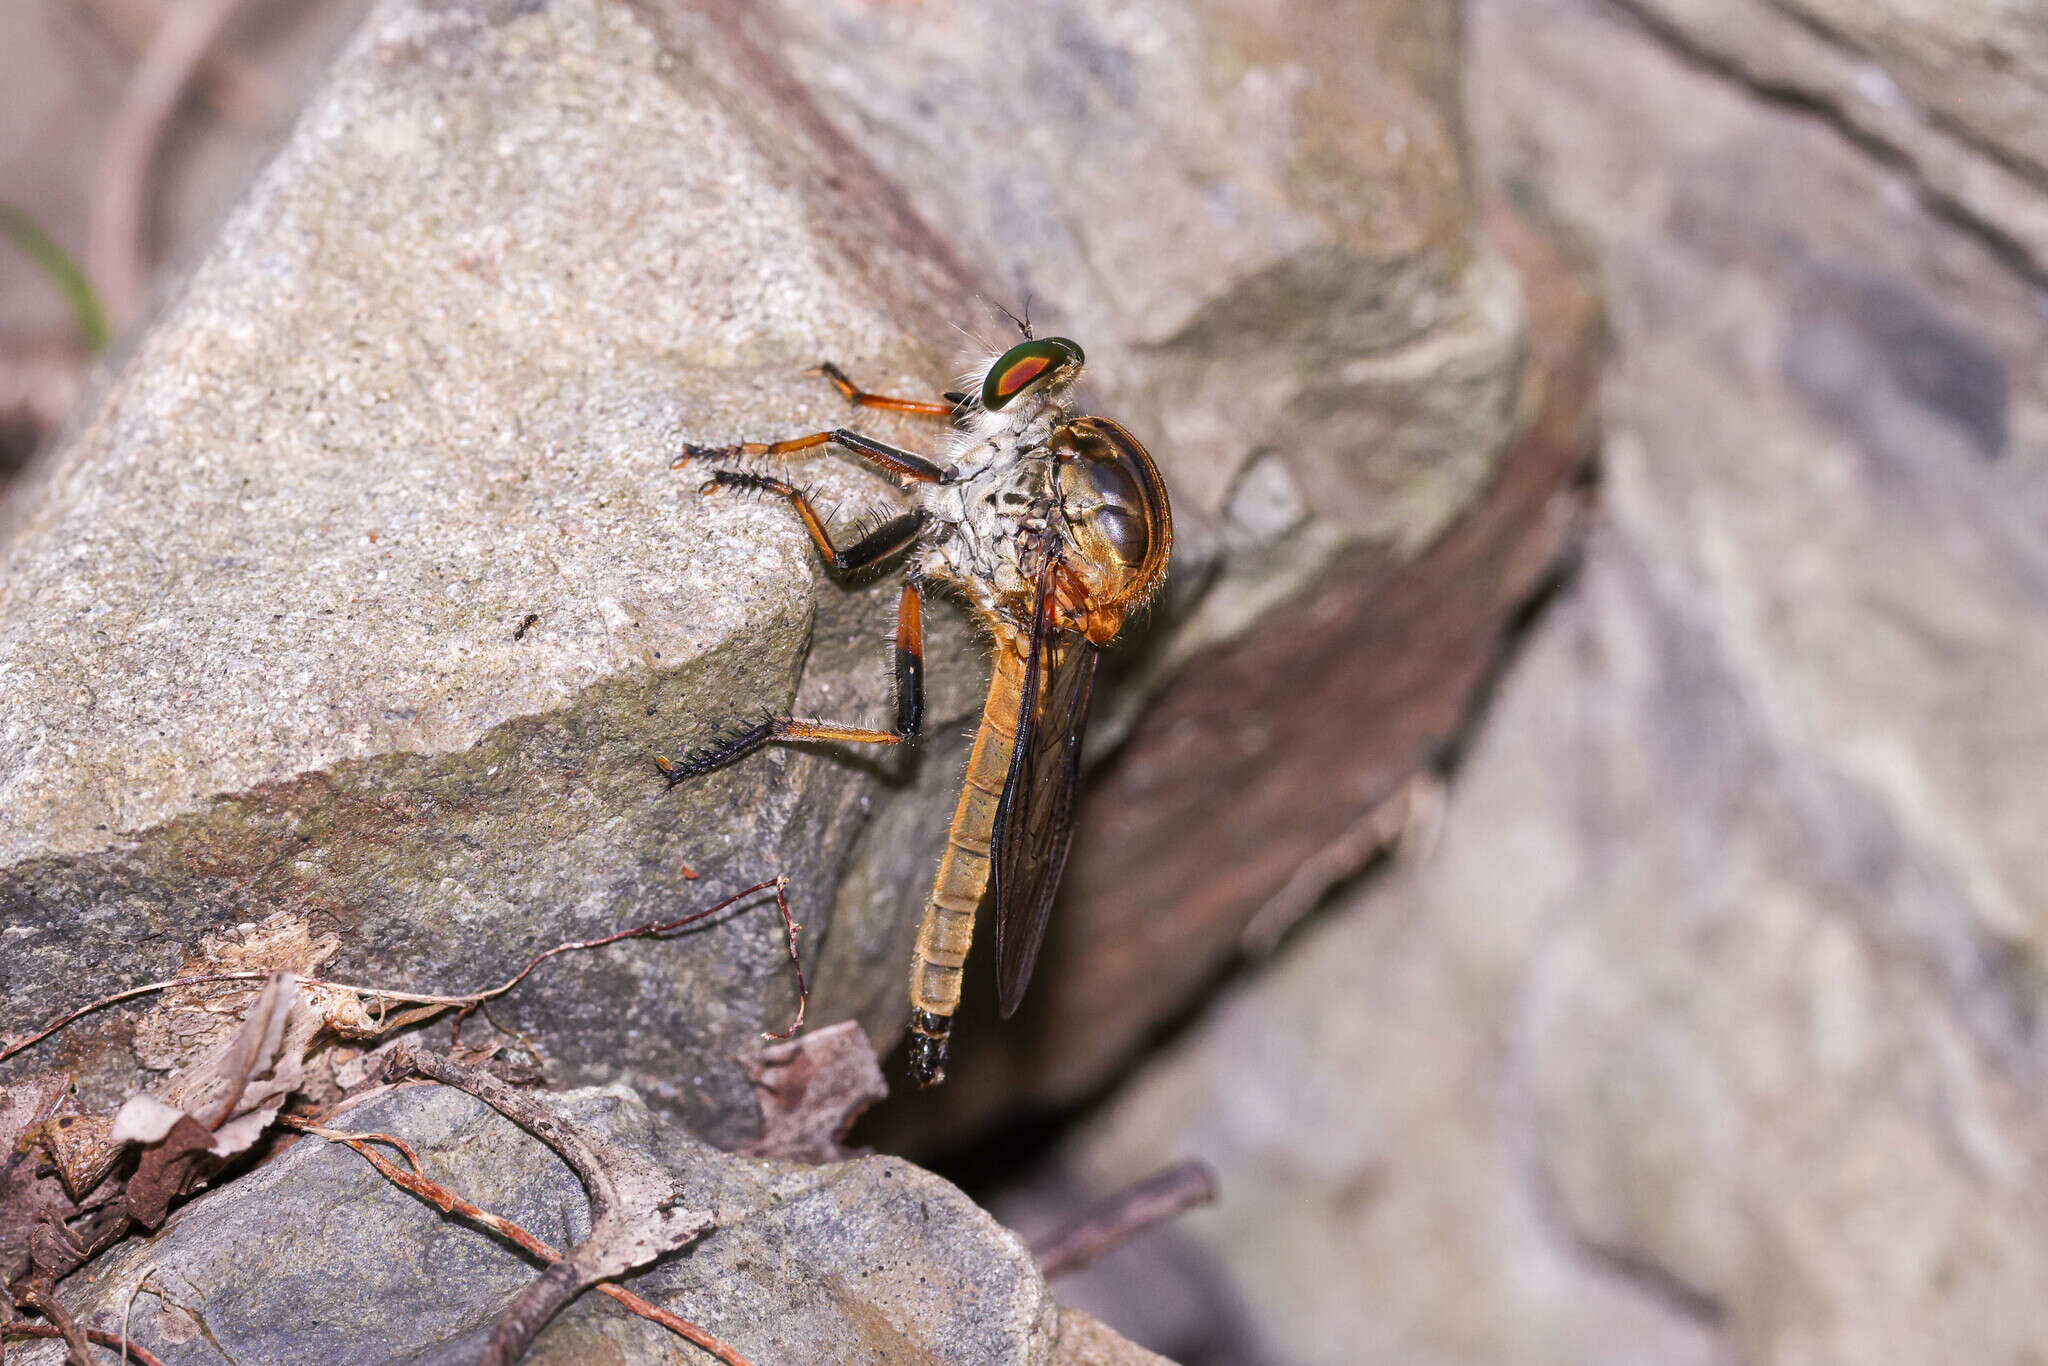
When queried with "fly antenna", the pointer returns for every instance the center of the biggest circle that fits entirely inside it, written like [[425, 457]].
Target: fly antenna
[[1023, 323]]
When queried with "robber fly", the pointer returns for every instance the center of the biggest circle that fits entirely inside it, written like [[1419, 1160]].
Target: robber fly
[[1054, 527]]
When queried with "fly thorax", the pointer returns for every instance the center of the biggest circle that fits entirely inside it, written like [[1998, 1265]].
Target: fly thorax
[[981, 522]]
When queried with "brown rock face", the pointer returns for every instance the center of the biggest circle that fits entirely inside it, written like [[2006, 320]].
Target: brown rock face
[[1710, 1032]]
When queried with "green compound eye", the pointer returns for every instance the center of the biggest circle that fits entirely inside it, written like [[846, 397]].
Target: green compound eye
[[1022, 364]]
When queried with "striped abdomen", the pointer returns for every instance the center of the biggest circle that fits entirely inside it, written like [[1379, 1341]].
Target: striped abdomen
[[947, 931]]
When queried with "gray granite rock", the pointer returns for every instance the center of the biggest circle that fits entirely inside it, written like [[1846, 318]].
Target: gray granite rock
[[316, 1257], [260, 624]]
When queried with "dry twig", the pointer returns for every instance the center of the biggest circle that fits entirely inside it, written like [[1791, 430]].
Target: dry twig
[[635, 1206], [430, 1005], [811, 1090], [22, 1328], [39, 1296], [114, 251], [1109, 1224], [418, 1183]]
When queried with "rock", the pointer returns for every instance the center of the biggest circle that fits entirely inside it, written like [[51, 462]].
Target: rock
[[1710, 1031], [315, 1256], [365, 595], [1084, 1341], [1952, 94], [260, 623]]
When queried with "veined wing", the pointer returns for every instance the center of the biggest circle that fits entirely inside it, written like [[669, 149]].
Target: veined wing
[[1035, 817]]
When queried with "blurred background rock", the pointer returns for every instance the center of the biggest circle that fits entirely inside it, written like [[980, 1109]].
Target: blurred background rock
[[1585, 912]]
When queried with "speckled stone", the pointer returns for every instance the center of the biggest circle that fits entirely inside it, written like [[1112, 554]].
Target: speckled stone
[[317, 1257], [260, 623]]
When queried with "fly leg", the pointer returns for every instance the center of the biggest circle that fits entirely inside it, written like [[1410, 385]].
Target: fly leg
[[908, 466], [879, 544], [864, 399], [908, 667]]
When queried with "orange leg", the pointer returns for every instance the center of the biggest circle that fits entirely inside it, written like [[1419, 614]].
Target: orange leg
[[905, 465], [922, 407]]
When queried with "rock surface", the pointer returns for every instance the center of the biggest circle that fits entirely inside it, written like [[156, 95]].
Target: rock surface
[[260, 623], [1710, 1032], [365, 594], [316, 1257], [1949, 92]]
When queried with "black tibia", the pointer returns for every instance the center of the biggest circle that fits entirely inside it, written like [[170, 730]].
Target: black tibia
[[879, 544], [897, 461], [885, 540], [909, 659], [909, 673], [928, 1036]]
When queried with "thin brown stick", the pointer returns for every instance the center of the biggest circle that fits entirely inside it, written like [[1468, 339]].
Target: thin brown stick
[[114, 255], [41, 1297], [780, 885], [417, 1183], [22, 1328], [1108, 1224], [233, 87], [803, 990], [636, 1211], [129, 994]]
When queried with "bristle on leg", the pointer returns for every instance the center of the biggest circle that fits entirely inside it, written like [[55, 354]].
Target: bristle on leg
[[716, 755]]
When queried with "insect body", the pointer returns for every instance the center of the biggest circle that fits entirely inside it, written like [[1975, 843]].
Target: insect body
[[1054, 527]]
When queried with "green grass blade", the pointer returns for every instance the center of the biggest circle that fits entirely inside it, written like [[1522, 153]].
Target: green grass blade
[[63, 272]]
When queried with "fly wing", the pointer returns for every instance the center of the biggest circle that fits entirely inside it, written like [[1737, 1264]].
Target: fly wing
[[1035, 817]]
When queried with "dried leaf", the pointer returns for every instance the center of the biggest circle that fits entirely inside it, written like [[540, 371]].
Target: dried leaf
[[28, 1102], [144, 1119], [190, 1021], [811, 1090], [82, 1148], [233, 1095], [26, 1191], [237, 1091], [168, 1169]]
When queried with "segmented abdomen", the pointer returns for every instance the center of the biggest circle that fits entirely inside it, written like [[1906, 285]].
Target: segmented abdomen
[[947, 930]]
